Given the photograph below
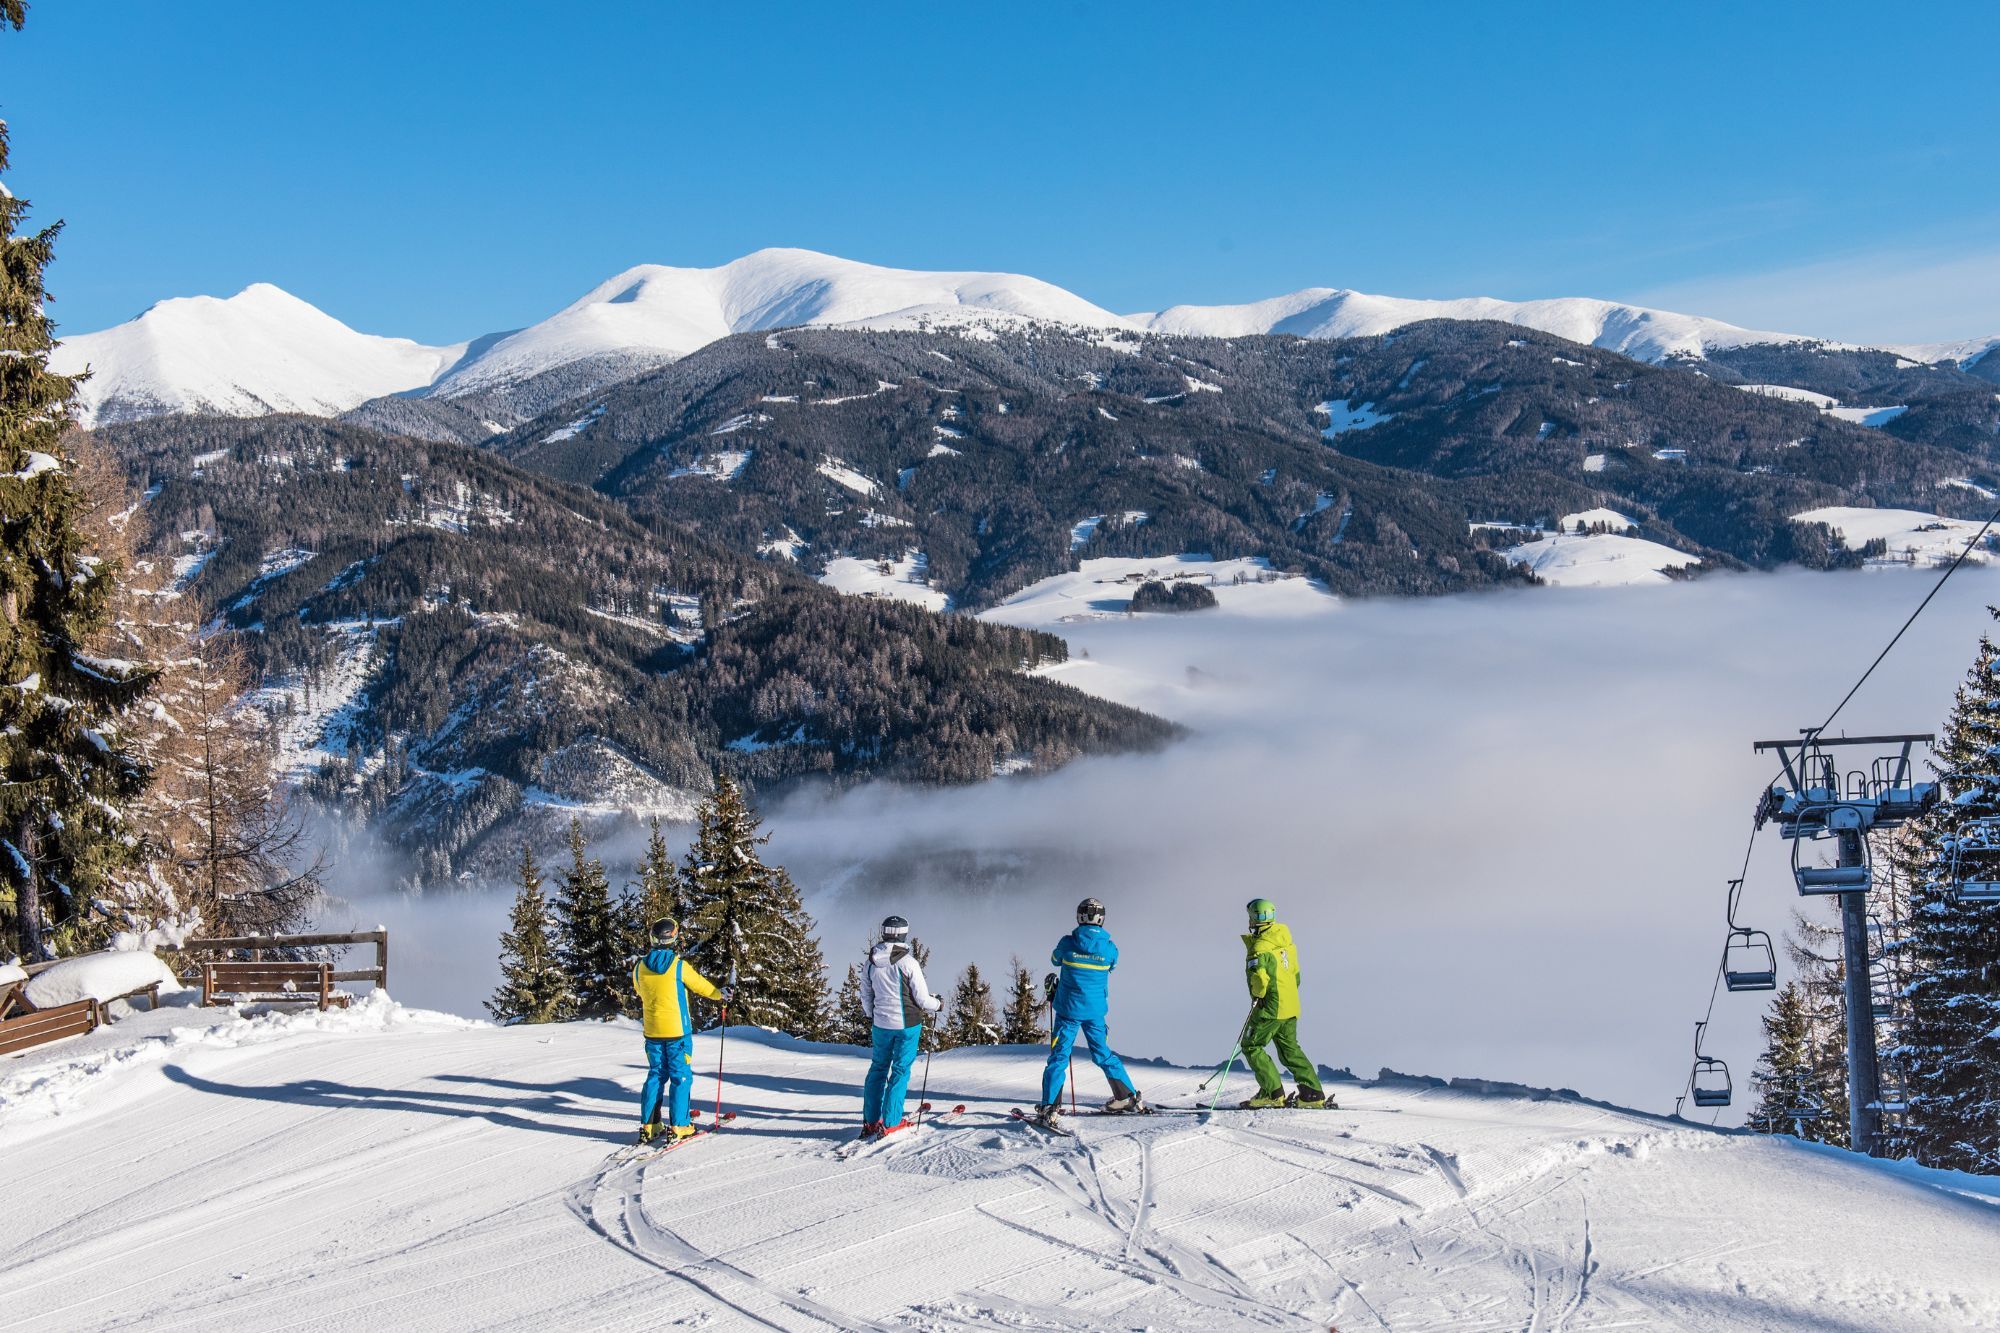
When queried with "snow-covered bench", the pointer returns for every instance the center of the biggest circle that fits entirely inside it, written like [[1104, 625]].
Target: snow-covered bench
[[40, 1026], [270, 982]]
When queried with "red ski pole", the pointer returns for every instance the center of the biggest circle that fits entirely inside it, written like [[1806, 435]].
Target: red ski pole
[[722, 1046]]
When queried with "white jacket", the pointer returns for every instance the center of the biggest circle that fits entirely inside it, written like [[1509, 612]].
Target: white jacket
[[894, 994]]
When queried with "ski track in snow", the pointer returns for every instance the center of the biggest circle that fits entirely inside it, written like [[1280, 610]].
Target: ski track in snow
[[386, 1168]]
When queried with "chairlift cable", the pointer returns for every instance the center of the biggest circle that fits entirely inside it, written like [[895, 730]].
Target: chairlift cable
[[1936, 588]]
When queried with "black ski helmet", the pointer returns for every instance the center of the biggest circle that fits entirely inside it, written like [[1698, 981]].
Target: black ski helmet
[[665, 931], [1090, 912], [895, 930]]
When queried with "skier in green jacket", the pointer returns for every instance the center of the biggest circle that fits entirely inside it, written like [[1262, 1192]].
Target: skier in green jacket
[[1272, 969]]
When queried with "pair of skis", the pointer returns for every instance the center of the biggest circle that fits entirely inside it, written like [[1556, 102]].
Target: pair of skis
[[660, 1146], [865, 1140], [1031, 1119]]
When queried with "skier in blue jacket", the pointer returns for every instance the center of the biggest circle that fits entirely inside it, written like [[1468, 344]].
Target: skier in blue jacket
[[1084, 959]]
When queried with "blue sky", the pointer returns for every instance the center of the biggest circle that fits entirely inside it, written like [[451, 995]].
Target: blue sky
[[440, 170]]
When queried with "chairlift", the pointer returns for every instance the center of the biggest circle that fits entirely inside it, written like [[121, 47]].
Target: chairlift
[[1711, 1081], [1975, 862], [1748, 960]]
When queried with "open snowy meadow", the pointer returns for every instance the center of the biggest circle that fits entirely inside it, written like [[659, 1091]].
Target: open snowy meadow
[[387, 1167]]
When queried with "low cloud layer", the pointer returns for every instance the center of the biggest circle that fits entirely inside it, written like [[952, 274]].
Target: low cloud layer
[[1499, 826]]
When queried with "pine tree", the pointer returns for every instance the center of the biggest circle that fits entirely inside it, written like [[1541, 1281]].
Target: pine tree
[[754, 932], [68, 770], [1022, 1020], [591, 944], [534, 988], [1951, 1041], [1815, 950], [846, 1023], [971, 1021], [655, 894], [1785, 1073]]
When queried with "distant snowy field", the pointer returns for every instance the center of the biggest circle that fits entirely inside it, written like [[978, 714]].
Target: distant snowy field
[[391, 1168], [1103, 588]]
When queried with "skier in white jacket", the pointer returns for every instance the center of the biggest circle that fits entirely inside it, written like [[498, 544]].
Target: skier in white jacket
[[897, 1001]]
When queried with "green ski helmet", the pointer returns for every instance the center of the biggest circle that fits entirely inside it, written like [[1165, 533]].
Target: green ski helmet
[[1262, 911]]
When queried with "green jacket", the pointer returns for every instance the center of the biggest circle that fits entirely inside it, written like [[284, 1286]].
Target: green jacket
[[1272, 969]]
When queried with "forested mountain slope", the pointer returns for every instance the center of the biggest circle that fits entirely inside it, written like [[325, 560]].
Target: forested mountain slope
[[1003, 454], [452, 645]]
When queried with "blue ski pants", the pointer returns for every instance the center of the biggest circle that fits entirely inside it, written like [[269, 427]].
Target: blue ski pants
[[888, 1085], [1063, 1039], [667, 1063]]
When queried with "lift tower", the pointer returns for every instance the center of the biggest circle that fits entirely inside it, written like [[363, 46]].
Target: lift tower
[[1813, 799]]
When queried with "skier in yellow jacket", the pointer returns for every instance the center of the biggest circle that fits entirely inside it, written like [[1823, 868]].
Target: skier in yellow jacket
[[663, 979], [1272, 969]]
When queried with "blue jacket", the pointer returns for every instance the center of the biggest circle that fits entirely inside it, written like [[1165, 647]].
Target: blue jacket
[[1084, 959]]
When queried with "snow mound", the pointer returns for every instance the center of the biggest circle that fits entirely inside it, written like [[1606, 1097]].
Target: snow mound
[[98, 976], [1102, 589], [1599, 561], [262, 350]]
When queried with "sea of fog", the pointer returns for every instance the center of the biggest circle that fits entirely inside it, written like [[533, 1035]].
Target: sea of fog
[[1499, 826]]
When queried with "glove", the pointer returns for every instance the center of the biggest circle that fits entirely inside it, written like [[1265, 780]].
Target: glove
[[726, 994], [1049, 986]]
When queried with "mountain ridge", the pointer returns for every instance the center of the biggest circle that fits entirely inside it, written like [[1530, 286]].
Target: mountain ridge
[[265, 351]]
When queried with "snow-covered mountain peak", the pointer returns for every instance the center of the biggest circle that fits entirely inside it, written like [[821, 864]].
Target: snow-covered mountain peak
[[654, 313], [1325, 312], [262, 350]]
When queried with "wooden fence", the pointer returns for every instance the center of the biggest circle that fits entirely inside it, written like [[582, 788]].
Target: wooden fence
[[253, 947]]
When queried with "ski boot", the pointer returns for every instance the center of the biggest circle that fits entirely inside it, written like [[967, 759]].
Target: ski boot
[[1125, 1101], [871, 1129], [682, 1132], [1312, 1099], [1262, 1101], [1050, 1117], [648, 1132]]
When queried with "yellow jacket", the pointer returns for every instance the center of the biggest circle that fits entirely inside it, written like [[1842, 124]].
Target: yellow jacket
[[1272, 969], [663, 980]]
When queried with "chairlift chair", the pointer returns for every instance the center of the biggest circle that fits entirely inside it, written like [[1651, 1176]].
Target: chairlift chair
[[1711, 1084], [1975, 862], [1748, 960], [1803, 1108], [1814, 880]]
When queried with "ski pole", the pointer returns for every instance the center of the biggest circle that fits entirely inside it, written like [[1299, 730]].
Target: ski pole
[[1230, 1066], [1234, 1051], [721, 1047], [925, 1090]]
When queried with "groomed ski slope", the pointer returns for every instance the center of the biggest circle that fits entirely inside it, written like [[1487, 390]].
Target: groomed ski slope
[[388, 1168]]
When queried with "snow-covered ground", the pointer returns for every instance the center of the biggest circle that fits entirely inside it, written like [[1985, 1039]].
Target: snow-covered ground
[[1104, 587], [1598, 560], [1913, 536], [906, 580], [1342, 417], [390, 1168]]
